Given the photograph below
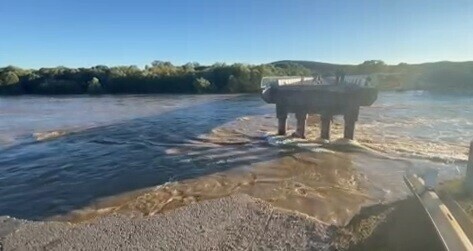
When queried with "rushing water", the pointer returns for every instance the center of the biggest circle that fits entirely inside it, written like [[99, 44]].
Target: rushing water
[[72, 158]]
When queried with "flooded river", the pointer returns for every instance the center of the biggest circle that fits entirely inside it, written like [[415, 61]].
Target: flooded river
[[76, 157]]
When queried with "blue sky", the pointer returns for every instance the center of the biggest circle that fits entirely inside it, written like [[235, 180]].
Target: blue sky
[[73, 33]]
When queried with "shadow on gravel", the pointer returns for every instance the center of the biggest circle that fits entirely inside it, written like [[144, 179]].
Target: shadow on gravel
[[402, 226]]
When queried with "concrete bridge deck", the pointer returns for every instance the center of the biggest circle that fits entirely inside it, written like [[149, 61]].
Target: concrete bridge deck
[[305, 95]]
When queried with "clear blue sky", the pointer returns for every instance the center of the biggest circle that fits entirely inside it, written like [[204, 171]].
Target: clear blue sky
[[45, 33]]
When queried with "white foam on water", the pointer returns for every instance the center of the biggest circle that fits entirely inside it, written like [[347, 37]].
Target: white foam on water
[[41, 136], [277, 140]]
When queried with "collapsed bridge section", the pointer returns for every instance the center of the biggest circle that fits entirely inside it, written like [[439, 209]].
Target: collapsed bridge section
[[325, 96]]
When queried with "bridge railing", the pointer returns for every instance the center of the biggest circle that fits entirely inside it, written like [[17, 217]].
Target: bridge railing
[[360, 80], [267, 82]]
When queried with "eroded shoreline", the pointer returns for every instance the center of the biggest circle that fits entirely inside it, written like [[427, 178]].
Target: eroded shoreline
[[237, 222]]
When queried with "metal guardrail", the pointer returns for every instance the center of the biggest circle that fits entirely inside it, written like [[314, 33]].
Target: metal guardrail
[[266, 82], [453, 234], [359, 80], [448, 229]]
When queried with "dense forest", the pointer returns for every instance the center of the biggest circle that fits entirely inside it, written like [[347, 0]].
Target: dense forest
[[159, 77], [164, 77]]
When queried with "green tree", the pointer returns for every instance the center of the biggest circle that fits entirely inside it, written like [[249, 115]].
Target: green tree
[[94, 86], [202, 85], [9, 78]]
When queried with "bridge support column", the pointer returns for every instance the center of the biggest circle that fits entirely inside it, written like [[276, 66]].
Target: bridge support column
[[349, 132], [300, 128], [325, 126], [281, 114], [350, 119]]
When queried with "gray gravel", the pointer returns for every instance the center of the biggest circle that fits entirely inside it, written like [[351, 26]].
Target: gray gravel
[[237, 222]]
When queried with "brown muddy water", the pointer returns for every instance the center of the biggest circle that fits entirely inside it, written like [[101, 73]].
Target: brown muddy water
[[74, 158]]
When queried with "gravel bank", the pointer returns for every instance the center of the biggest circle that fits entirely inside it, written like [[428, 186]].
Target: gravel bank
[[238, 222]]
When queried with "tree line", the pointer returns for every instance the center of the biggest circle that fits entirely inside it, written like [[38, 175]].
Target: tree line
[[158, 77], [164, 77]]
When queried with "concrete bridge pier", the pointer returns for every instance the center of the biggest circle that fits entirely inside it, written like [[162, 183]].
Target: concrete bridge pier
[[301, 118], [350, 119], [325, 121], [281, 114]]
